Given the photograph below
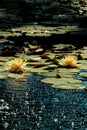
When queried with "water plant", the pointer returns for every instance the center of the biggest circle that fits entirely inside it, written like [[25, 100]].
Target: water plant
[[16, 65], [68, 61]]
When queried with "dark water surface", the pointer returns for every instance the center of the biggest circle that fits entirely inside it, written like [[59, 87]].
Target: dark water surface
[[28, 104]]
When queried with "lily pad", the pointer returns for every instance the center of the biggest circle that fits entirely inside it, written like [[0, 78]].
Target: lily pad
[[75, 70], [3, 75], [68, 86], [51, 67], [2, 68], [36, 59], [83, 74], [50, 80], [61, 81], [50, 73], [15, 76], [68, 73], [83, 64], [38, 70]]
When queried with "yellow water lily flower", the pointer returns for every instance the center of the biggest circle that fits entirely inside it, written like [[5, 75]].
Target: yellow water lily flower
[[68, 61], [16, 65]]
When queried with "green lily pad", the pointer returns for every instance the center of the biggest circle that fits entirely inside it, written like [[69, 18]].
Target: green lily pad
[[3, 75], [38, 70], [2, 68], [67, 74], [63, 83], [50, 73], [50, 80], [37, 64], [71, 70], [15, 76], [83, 64], [37, 59], [51, 67], [60, 80], [83, 74], [68, 86]]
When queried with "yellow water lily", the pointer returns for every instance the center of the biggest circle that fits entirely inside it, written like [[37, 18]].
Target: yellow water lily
[[68, 61], [16, 65]]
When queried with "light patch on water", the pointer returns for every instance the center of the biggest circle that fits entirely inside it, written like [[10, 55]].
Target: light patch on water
[[72, 124], [55, 120], [3, 105], [6, 124]]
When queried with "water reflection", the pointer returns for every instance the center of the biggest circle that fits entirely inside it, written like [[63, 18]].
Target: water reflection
[[28, 104]]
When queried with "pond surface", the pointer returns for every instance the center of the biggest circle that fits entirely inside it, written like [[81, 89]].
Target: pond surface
[[83, 78], [28, 104]]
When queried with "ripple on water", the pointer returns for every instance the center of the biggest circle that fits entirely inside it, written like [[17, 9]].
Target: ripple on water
[[3, 105], [37, 106]]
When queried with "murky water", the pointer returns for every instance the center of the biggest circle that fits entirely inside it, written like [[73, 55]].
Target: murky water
[[82, 78], [28, 104]]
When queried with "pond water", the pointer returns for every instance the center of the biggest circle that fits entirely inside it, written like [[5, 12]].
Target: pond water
[[28, 104], [82, 78]]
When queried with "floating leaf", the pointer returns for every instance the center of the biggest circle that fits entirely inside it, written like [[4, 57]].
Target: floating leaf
[[68, 86], [60, 80], [3, 75], [15, 76], [50, 80], [37, 59], [63, 83], [83, 64], [83, 74], [51, 67], [67, 73], [50, 74], [2, 68], [39, 70]]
